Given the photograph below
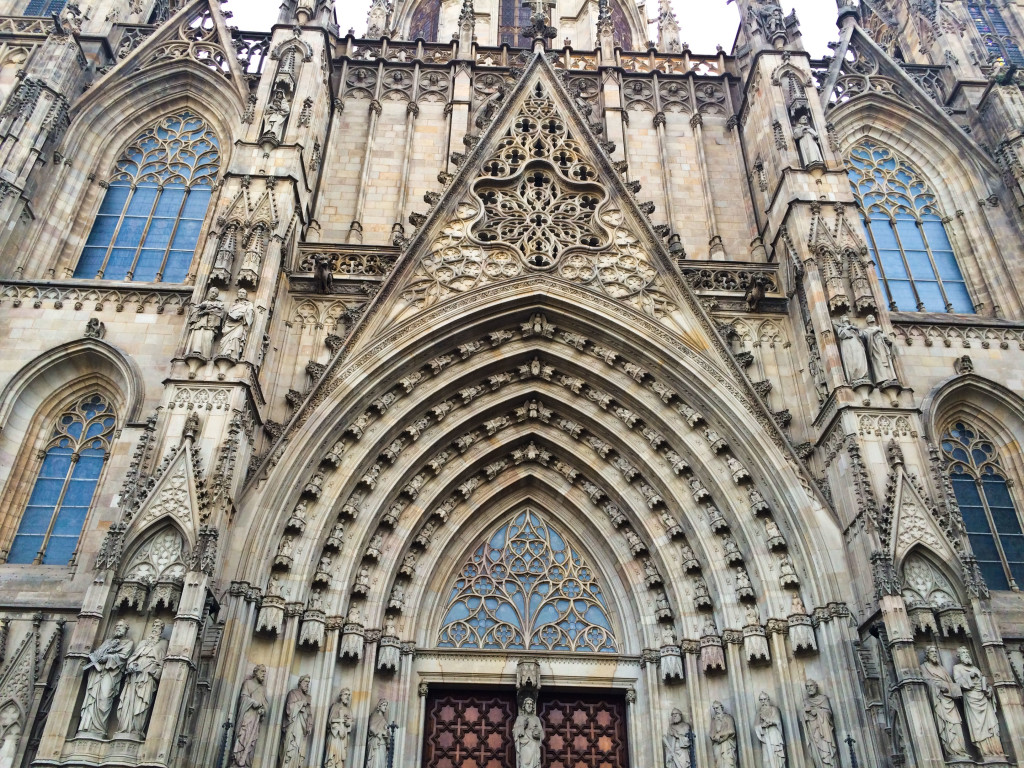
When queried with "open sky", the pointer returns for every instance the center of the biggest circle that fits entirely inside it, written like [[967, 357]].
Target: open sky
[[704, 24]]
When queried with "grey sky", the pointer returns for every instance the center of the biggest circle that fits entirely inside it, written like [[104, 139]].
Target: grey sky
[[713, 24]]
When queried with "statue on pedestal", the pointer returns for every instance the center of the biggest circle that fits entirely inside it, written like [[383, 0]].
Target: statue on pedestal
[[979, 705], [236, 326], [339, 728], [723, 736], [142, 674], [527, 733], [677, 741], [768, 729], [252, 706], [104, 668], [944, 692], [821, 733], [203, 326], [297, 724], [378, 737]]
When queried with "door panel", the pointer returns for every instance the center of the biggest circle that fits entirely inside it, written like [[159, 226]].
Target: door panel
[[473, 729]]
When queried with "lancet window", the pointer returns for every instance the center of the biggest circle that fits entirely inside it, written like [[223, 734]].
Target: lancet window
[[148, 225], [983, 494], [425, 21], [44, 7], [72, 462], [527, 588], [513, 17], [995, 34], [913, 255]]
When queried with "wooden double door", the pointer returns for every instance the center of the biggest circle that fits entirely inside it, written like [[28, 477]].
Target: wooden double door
[[473, 729]]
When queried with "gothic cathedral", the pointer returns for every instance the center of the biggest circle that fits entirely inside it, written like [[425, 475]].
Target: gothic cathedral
[[497, 388]]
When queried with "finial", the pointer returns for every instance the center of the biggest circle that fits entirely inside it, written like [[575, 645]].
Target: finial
[[668, 29]]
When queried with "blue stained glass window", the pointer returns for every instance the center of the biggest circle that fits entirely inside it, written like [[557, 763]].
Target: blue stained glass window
[[513, 18], [995, 34], [65, 486], [44, 7], [425, 20], [526, 587], [913, 255], [149, 222], [983, 495]]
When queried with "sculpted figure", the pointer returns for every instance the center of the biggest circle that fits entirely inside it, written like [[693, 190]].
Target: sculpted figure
[[277, 115], [880, 354], [203, 325], [236, 326], [677, 741], [979, 705], [252, 706], [807, 141], [377, 737], [723, 736], [944, 692], [671, 659], [105, 668], [853, 352], [323, 275], [339, 726], [297, 723], [10, 735], [527, 734], [768, 728], [820, 727], [142, 673]]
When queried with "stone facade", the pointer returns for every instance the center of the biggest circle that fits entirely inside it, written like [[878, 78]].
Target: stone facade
[[502, 351]]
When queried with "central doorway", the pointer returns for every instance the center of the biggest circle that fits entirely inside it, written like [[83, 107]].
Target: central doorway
[[473, 729]]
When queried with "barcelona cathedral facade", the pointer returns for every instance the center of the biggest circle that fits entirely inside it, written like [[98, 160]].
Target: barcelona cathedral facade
[[497, 388]]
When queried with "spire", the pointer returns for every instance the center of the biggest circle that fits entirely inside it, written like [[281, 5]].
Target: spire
[[668, 28], [605, 30], [467, 22], [377, 18]]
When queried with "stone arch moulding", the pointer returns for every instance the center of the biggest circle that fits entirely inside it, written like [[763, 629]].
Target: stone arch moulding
[[683, 372], [999, 410], [68, 363]]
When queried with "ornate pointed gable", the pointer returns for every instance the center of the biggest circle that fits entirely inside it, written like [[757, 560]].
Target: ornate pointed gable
[[537, 199], [179, 495], [197, 32]]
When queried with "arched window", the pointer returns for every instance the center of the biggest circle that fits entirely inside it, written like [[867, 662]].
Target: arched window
[[513, 17], [524, 588], [913, 255], [425, 21], [71, 465], [149, 223], [995, 34], [992, 523], [44, 7]]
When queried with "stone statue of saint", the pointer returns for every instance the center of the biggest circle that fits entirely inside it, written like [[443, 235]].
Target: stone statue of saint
[[807, 141], [377, 737], [881, 355], [252, 706], [768, 729], [979, 705], [821, 733], [203, 325], [105, 668], [677, 741], [10, 734], [277, 112], [236, 326], [296, 726], [339, 726], [527, 734], [944, 692], [723, 736], [142, 674], [853, 352]]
